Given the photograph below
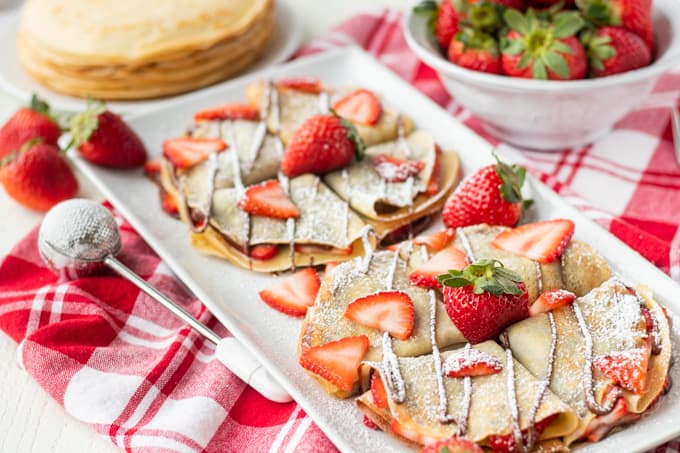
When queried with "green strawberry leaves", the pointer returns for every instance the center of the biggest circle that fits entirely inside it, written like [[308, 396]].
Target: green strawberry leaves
[[39, 105], [354, 136], [83, 125], [567, 23], [486, 276], [598, 48], [428, 9], [513, 179], [475, 39]]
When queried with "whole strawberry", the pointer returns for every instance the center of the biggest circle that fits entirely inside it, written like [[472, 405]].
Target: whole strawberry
[[612, 50], [475, 50], [535, 48], [633, 15], [442, 20], [484, 15], [37, 176], [26, 124], [321, 144], [105, 139], [484, 298], [491, 195]]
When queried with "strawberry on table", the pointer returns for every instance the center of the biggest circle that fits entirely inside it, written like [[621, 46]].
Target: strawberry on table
[[231, 111], [387, 311], [453, 445], [551, 300], [442, 262], [338, 361], [442, 19], [612, 50], [633, 15], [393, 169], [541, 241], [538, 49], [471, 362], [302, 83], [360, 106], [268, 199], [475, 50], [37, 176], [28, 123], [185, 152], [484, 298], [293, 294], [321, 144], [491, 195]]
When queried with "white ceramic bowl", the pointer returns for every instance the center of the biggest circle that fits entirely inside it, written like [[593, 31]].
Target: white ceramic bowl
[[546, 114]]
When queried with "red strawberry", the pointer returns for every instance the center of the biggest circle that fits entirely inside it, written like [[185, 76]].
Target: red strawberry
[[551, 300], [445, 260], [484, 298], [307, 84], [328, 270], [26, 124], [435, 179], [368, 423], [152, 167], [321, 144], [264, 252], [506, 443], [540, 241], [313, 249], [634, 15], [435, 241], [627, 368], [360, 106], [37, 176], [232, 111], [491, 195], [475, 50], [338, 361], [378, 391], [103, 138], [471, 362], [393, 169], [293, 294], [267, 199], [388, 311], [612, 50], [603, 424], [185, 152], [169, 204], [536, 49], [453, 445], [442, 19]]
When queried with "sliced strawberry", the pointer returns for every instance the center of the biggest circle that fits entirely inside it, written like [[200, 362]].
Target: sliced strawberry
[[627, 368], [152, 167], [388, 311], [313, 249], [268, 199], [551, 300], [507, 443], [393, 169], [412, 433], [264, 252], [169, 204], [378, 391], [292, 295], [306, 84], [445, 260], [328, 271], [360, 106], [232, 111], [338, 361], [540, 241], [433, 184], [368, 423], [435, 241], [471, 362], [186, 152], [453, 445], [602, 425]]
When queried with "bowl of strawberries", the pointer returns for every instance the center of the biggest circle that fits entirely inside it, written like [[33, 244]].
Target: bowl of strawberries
[[546, 74]]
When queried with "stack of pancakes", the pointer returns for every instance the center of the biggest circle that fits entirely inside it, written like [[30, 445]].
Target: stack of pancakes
[[125, 49]]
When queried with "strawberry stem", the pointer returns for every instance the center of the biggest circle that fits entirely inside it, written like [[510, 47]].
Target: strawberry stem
[[487, 276]]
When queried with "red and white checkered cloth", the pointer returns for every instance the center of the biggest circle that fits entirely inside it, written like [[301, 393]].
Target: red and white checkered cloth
[[119, 362]]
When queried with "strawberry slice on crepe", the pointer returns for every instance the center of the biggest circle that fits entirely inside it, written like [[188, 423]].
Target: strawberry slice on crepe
[[540, 241], [445, 260], [231, 111], [388, 311], [360, 106], [268, 199], [186, 152], [338, 361]]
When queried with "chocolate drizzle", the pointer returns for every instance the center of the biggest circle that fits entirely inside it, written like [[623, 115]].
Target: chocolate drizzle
[[368, 249], [512, 398], [275, 108], [467, 248], [539, 277], [390, 364], [544, 384], [290, 223], [240, 189]]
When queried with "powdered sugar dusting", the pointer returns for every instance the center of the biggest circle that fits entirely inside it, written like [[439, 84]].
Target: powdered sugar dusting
[[467, 248]]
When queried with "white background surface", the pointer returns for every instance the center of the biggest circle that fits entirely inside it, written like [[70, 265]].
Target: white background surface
[[29, 420]]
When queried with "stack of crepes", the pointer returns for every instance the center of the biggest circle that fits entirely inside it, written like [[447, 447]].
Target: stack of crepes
[[124, 49]]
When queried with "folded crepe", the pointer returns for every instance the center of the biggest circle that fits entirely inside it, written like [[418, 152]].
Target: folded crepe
[[286, 109], [613, 317], [480, 408], [385, 270]]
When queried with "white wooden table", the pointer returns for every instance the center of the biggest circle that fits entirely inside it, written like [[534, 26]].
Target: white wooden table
[[30, 421]]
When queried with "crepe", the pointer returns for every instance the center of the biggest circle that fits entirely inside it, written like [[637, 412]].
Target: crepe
[[417, 419], [615, 322], [325, 320]]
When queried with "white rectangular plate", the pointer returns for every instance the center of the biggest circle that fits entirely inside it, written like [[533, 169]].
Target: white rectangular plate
[[231, 293]]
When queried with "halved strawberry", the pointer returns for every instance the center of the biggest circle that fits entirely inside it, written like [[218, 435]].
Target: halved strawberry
[[186, 152], [442, 262], [264, 252], [378, 391], [602, 425], [338, 361], [435, 241], [471, 362], [360, 106], [292, 295], [268, 199], [551, 300], [540, 241], [627, 368], [507, 443], [453, 445], [433, 184], [368, 423], [169, 204], [231, 111], [393, 169], [312, 249], [389, 311], [307, 84]]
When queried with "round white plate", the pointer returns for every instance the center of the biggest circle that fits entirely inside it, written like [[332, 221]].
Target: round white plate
[[15, 81]]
